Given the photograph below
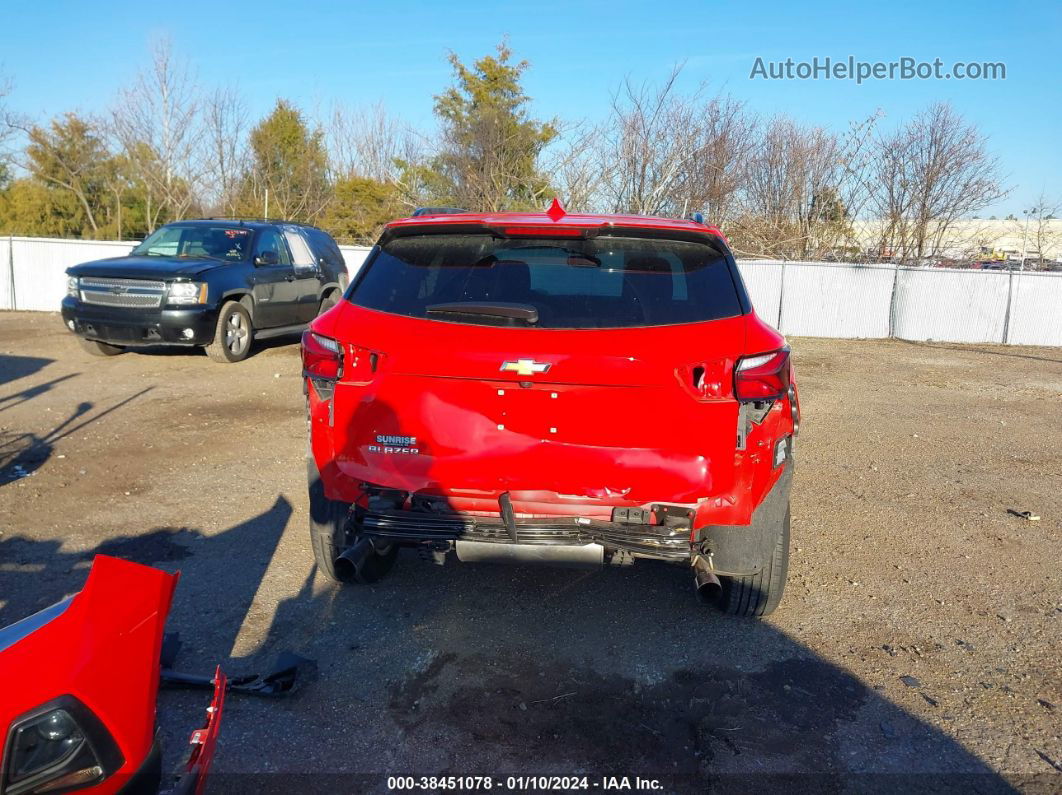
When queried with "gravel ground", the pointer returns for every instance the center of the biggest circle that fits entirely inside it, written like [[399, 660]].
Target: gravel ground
[[917, 646]]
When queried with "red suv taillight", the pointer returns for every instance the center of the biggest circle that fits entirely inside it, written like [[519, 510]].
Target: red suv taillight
[[322, 357], [762, 377]]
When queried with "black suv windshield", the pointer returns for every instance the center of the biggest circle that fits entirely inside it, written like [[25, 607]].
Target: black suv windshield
[[604, 282], [197, 240]]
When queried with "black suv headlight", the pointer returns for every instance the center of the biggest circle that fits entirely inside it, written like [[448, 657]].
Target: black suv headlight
[[58, 747], [187, 293]]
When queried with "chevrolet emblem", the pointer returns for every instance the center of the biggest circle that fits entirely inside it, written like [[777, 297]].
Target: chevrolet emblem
[[525, 367]]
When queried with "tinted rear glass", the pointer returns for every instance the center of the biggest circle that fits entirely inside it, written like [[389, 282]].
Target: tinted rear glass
[[605, 282]]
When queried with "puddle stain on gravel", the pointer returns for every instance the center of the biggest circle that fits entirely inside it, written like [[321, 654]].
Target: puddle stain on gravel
[[612, 725]]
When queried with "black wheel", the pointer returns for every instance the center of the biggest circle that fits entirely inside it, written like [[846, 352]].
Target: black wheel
[[328, 302], [232, 335], [330, 534], [761, 593], [99, 348]]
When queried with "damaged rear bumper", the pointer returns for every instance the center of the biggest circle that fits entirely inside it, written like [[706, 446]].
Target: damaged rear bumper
[[662, 532], [618, 539]]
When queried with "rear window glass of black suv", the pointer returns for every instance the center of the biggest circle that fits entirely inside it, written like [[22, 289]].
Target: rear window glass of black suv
[[602, 282], [325, 247]]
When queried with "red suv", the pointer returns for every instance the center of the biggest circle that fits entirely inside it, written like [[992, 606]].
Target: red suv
[[567, 389]]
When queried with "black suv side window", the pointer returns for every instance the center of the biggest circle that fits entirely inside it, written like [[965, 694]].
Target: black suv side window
[[271, 240], [326, 248]]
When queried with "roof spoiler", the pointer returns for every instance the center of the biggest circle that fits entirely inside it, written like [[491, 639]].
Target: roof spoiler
[[417, 213]]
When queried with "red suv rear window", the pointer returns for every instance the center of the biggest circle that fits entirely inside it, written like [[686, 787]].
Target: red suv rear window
[[602, 282]]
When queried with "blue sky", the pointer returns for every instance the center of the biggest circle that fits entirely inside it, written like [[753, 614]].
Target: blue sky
[[75, 55]]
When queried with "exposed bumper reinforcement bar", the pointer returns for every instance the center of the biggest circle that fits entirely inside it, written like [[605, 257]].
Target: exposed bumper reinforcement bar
[[652, 541]]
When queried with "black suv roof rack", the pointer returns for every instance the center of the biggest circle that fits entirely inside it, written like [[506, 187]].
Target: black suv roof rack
[[437, 211], [253, 220]]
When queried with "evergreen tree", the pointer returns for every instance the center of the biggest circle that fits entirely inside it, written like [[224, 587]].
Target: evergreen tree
[[488, 159]]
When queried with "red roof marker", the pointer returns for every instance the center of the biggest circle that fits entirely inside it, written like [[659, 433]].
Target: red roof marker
[[556, 210]]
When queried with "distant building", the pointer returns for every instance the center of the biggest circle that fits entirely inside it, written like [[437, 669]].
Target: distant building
[[972, 239]]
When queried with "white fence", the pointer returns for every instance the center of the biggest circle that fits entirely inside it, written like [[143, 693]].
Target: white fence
[[812, 299], [822, 299]]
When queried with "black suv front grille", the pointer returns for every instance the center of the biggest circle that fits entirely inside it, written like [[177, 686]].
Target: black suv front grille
[[131, 293]]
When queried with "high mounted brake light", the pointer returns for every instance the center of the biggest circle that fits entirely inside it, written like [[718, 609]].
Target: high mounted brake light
[[543, 231], [322, 357], [762, 377]]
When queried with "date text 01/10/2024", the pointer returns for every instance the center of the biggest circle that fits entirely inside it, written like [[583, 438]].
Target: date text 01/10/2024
[[523, 783]]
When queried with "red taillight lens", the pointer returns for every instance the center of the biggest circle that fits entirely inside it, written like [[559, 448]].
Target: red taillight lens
[[322, 357], [762, 377]]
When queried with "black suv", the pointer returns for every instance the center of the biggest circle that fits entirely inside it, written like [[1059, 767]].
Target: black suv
[[216, 284]]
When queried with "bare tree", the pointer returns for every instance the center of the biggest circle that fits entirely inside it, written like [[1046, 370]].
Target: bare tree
[[645, 147], [225, 147], [723, 137], [792, 197], [853, 182], [572, 165], [662, 152], [156, 123], [1040, 230], [369, 142], [930, 173], [7, 128]]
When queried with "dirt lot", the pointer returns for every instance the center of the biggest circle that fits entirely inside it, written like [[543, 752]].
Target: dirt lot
[[905, 564]]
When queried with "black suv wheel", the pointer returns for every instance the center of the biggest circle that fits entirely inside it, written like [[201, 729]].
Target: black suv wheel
[[233, 334]]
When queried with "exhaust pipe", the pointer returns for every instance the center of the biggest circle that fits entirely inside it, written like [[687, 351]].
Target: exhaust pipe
[[705, 582], [351, 562]]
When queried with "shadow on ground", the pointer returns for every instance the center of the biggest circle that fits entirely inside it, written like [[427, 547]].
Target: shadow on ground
[[22, 454], [491, 670], [257, 348], [995, 350], [14, 367]]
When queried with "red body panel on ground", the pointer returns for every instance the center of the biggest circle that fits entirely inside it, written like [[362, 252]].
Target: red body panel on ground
[[103, 649]]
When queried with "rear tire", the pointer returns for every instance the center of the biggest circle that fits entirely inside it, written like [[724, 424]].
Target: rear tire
[[99, 348], [759, 594], [232, 335], [331, 533]]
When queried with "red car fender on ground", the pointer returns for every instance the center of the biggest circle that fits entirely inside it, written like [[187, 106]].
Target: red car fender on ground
[[95, 658]]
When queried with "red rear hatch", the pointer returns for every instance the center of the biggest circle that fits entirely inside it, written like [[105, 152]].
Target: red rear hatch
[[567, 371], [617, 416]]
